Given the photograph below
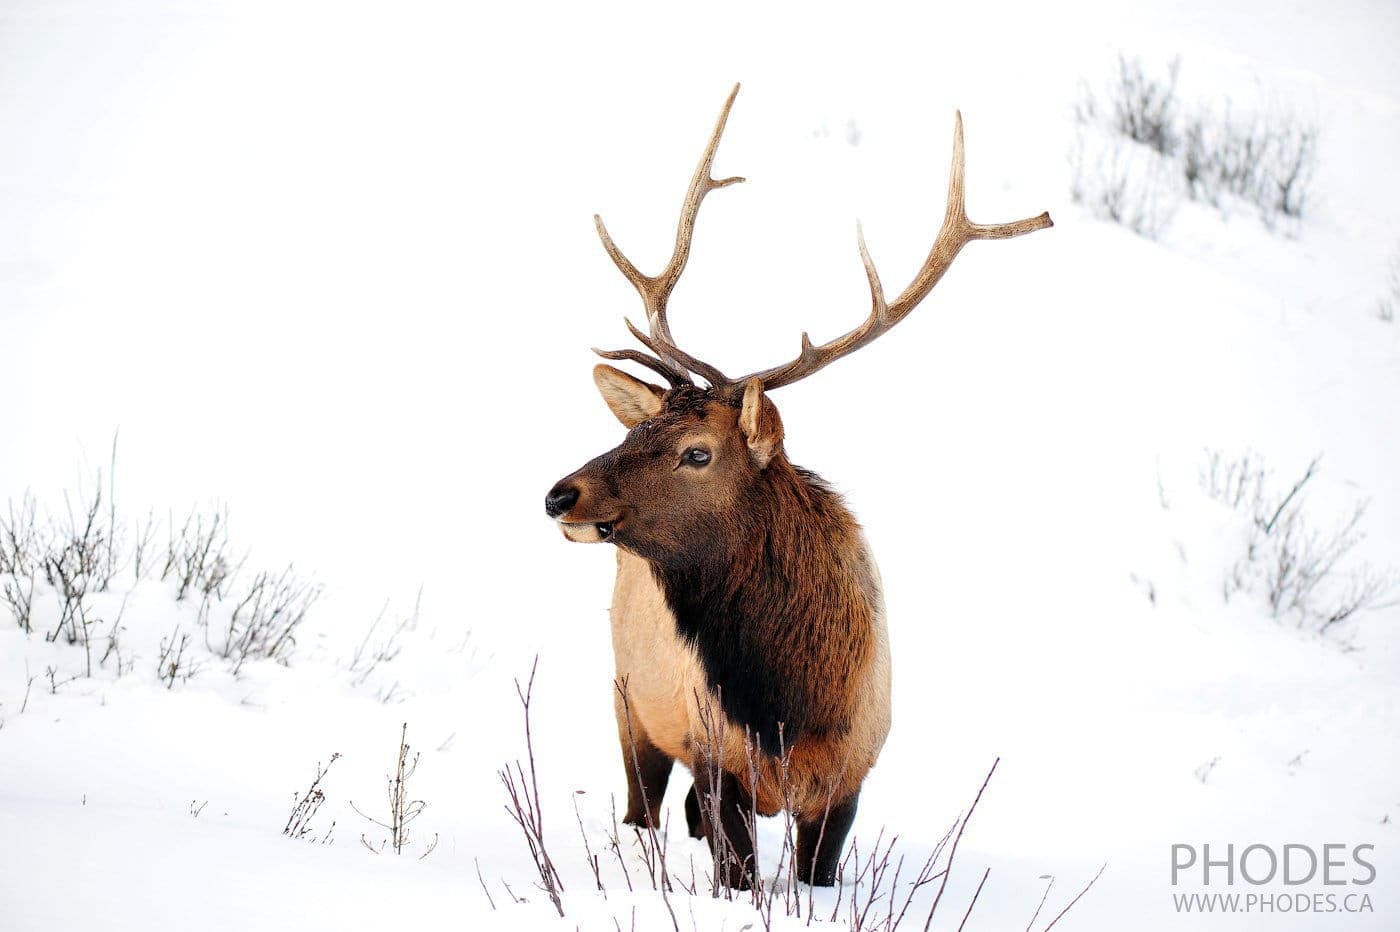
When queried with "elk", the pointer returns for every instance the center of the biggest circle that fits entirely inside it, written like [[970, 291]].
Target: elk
[[748, 621]]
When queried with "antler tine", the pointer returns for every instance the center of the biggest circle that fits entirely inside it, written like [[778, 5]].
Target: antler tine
[[957, 231], [666, 370], [678, 357], [656, 290], [676, 371]]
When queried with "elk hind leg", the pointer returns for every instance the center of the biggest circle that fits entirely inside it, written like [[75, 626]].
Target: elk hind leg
[[820, 840], [726, 820]]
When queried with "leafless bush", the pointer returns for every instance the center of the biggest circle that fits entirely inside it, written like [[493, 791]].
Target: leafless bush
[[1136, 105], [1264, 156], [264, 622], [124, 661], [878, 902], [523, 802], [593, 863], [1387, 307], [172, 663], [382, 643], [78, 558], [1303, 571], [141, 545], [19, 595], [66, 574], [1123, 181], [403, 810], [81, 553], [197, 558], [652, 845], [20, 540], [71, 558], [28, 687], [1265, 159], [872, 891], [56, 680], [306, 806]]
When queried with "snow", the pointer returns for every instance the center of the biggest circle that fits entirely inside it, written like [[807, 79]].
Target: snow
[[333, 267]]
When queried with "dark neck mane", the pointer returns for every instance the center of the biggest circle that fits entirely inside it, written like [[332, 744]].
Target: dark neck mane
[[778, 606]]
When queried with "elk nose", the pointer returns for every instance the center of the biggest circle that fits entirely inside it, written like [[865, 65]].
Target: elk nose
[[560, 499]]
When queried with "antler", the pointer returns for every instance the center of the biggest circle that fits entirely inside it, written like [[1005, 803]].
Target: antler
[[957, 232], [676, 365], [670, 361]]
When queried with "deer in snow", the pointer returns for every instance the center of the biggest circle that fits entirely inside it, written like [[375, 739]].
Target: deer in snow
[[747, 617]]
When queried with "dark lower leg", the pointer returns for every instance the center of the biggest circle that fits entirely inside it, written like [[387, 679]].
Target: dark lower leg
[[692, 814], [648, 770], [820, 840], [726, 814]]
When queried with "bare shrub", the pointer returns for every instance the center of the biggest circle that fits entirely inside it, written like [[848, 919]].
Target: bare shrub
[[1304, 572], [18, 593], [872, 892], [1264, 156], [1136, 105], [172, 663], [403, 810], [197, 557], [1265, 159], [382, 643], [20, 540], [264, 622], [142, 544], [1123, 181], [20, 558], [28, 687], [1387, 307], [523, 801], [653, 846], [56, 680], [74, 556], [78, 558], [124, 661], [306, 806], [81, 553]]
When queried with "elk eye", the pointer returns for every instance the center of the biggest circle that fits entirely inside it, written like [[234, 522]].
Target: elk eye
[[696, 456]]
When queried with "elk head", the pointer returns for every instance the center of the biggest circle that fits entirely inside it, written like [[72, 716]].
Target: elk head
[[695, 455], [690, 460]]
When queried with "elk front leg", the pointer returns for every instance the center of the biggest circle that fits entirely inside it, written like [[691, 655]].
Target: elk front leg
[[648, 770], [726, 820], [820, 840]]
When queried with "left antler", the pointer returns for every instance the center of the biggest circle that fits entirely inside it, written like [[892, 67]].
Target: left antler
[[656, 290]]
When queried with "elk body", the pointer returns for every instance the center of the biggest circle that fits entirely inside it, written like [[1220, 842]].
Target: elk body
[[747, 617]]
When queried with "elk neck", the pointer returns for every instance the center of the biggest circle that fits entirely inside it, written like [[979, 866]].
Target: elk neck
[[777, 605]]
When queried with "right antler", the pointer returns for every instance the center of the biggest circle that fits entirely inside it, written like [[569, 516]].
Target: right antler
[[957, 232], [675, 364]]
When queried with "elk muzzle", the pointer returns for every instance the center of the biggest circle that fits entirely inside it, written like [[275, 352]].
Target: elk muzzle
[[580, 516]]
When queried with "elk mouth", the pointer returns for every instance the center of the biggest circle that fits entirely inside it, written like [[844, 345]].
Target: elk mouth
[[589, 532]]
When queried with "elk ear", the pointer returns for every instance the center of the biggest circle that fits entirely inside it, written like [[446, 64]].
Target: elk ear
[[762, 427], [632, 400]]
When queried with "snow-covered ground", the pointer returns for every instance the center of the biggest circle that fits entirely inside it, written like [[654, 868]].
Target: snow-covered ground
[[333, 266]]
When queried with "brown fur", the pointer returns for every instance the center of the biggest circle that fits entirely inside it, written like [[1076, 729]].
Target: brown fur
[[747, 610]]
